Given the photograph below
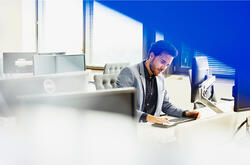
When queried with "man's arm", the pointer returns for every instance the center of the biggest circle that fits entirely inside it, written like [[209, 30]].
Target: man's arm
[[170, 109], [145, 117], [126, 79]]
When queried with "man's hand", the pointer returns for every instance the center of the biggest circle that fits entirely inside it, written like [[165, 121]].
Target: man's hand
[[194, 114], [155, 119]]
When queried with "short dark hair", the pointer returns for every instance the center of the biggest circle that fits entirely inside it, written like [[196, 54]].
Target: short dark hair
[[163, 47]]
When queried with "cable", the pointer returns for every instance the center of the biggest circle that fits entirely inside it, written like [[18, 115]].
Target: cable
[[240, 127]]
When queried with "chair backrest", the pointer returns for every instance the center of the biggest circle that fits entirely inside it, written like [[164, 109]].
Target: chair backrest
[[105, 81], [114, 68]]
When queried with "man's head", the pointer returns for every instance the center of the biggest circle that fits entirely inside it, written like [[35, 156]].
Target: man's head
[[161, 55]]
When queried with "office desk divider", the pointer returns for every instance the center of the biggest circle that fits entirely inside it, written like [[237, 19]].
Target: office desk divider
[[122, 100]]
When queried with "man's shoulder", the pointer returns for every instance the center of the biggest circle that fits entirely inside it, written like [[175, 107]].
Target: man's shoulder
[[127, 76], [132, 68]]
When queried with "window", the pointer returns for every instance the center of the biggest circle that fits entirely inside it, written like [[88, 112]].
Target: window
[[116, 37], [218, 68], [159, 36], [60, 25], [17, 27]]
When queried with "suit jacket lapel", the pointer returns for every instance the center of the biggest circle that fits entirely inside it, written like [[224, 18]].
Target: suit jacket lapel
[[159, 85], [142, 77], [160, 96]]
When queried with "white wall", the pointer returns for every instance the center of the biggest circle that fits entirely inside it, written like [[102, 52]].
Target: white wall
[[10, 25], [17, 26], [28, 25]]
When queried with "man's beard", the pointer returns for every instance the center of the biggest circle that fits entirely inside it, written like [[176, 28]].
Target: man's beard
[[152, 68]]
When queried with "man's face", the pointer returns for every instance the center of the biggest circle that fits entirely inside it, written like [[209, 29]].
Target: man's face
[[159, 63]]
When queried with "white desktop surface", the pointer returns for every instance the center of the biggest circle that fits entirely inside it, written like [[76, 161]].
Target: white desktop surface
[[148, 133], [225, 106]]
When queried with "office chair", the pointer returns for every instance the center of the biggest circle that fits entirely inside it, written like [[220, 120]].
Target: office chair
[[114, 68], [105, 81]]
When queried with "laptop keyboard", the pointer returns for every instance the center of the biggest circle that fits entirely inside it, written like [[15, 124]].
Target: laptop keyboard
[[181, 120], [173, 122]]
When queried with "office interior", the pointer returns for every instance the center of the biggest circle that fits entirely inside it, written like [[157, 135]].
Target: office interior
[[60, 60]]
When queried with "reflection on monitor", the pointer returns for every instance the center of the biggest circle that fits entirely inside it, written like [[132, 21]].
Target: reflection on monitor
[[18, 62], [120, 100], [49, 64], [202, 84], [12, 88]]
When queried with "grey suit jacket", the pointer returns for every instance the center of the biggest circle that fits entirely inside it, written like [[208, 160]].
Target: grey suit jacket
[[134, 76]]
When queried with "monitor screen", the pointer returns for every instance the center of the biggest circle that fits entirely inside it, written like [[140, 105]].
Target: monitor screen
[[44, 64], [241, 92], [49, 64], [18, 62], [120, 100], [70, 63]]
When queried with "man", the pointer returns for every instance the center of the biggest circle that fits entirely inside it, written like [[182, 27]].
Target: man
[[146, 77]]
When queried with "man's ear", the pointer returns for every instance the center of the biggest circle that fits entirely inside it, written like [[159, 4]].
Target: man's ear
[[151, 56]]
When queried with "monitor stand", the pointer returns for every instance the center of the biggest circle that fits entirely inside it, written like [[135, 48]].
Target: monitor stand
[[203, 87]]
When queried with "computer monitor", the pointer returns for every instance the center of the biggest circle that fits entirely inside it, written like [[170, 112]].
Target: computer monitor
[[12, 88], [44, 64], [70, 63], [241, 92], [18, 62], [49, 64], [51, 53], [121, 101], [202, 84]]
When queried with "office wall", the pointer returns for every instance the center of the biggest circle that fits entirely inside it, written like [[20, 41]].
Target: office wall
[[179, 90], [10, 25], [28, 25], [17, 26]]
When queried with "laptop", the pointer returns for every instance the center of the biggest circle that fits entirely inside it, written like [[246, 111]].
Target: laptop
[[173, 121]]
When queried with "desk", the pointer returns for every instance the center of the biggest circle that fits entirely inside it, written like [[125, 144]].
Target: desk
[[148, 133], [225, 106]]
